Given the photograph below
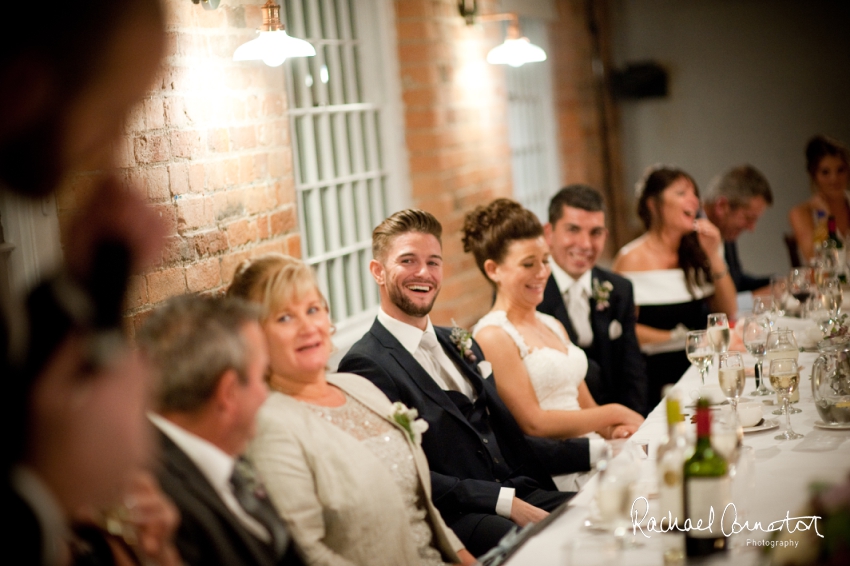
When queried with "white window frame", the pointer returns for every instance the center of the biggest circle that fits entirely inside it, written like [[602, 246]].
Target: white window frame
[[532, 121], [322, 194]]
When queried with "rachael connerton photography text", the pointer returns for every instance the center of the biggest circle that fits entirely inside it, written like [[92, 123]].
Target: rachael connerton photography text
[[669, 523]]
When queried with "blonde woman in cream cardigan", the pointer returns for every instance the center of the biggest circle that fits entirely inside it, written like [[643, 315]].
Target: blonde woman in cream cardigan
[[350, 481]]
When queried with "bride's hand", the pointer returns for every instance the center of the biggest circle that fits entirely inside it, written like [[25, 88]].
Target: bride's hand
[[623, 431]]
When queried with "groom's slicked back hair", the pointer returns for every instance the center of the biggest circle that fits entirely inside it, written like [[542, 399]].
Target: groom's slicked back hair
[[402, 222]]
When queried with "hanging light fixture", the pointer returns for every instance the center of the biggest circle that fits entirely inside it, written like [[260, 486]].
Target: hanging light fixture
[[517, 50], [273, 46]]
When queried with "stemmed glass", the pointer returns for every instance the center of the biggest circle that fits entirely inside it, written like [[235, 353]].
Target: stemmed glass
[[718, 331], [700, 351], [800, 286], [731, 376], [785, 378], [818, 309], [614, 495], [781, 344], [754, 333], [779, 290], [764, 305], [833, 296]]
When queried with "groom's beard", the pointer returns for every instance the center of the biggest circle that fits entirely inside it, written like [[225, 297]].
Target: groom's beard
[[407, 306]]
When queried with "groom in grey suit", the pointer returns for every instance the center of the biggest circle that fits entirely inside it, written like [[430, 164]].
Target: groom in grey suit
[[595, 306], [212, 357]]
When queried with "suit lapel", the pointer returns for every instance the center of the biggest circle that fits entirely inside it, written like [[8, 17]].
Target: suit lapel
[[196, 483], [554, 302], [600, 319], [471, 372], [416, 372]]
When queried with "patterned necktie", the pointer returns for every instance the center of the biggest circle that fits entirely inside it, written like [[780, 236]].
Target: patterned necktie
[[578, 308], [431, 346], [251, 495]]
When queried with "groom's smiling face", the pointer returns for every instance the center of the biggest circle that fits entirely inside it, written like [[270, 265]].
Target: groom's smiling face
[[410, 274]]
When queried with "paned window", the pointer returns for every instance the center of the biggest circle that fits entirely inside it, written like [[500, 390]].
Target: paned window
[[343, 171]]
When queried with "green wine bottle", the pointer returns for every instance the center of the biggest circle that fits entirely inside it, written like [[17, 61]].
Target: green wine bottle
[[707, 491], [835, 247]]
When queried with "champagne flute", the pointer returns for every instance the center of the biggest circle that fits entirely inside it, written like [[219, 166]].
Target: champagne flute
[[718, 331], [755, 331], [732, 379], [833, 295], [779, 290], [785, 377], [800, 286], [700, 351]]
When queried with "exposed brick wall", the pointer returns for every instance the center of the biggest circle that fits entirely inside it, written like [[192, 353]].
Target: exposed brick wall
[[210, 143], [582, 141], [456, 132], [210, 147]]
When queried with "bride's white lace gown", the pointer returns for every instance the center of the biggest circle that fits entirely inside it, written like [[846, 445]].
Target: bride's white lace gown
[[555, 375]]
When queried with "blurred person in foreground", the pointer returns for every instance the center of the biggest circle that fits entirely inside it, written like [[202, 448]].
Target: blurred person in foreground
[[348, 476], [486, 474], [595, 306], [828, 165], [74, 396], [734, 202], [677, 270], [211, 359]]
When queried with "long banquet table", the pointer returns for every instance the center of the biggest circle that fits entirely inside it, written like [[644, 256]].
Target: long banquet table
[[783, 472]]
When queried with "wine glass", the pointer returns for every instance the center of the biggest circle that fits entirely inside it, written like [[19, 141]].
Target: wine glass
[[731, 376], [700, 351], [785, 378], [614, 494], [764, 305], [781, 344], [818, 309], [755, 331], [718, 331], [800, 286], [779, 290]]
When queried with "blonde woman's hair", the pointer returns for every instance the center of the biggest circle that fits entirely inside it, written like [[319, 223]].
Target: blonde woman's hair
[[273, 280]]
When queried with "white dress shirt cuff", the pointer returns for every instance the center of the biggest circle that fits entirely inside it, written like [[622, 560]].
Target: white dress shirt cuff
[[597, 450], [505, 502]]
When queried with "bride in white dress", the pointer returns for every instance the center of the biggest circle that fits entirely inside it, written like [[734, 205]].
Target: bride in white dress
[[539, 373]]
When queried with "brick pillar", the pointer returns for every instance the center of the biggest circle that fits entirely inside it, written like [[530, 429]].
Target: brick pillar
[[456, 133]]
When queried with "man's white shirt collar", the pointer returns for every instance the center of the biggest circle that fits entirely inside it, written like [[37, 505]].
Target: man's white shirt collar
[[213, 462], [565, 282], [216, 465], [408, 335]]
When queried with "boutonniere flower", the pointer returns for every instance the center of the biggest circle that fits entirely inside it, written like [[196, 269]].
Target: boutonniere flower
[[601, 292], [249, 475], [409, 420], [462, 339]]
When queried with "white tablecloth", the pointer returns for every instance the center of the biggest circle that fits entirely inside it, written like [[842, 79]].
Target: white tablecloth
[[783, 472]]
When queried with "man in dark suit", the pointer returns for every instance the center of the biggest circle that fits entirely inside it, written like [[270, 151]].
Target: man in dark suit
[[211, 356], [595, 306], [486, 475], [734, 202]]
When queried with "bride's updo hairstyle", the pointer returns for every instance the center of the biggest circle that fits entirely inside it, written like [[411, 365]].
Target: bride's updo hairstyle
[[489, 230]]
